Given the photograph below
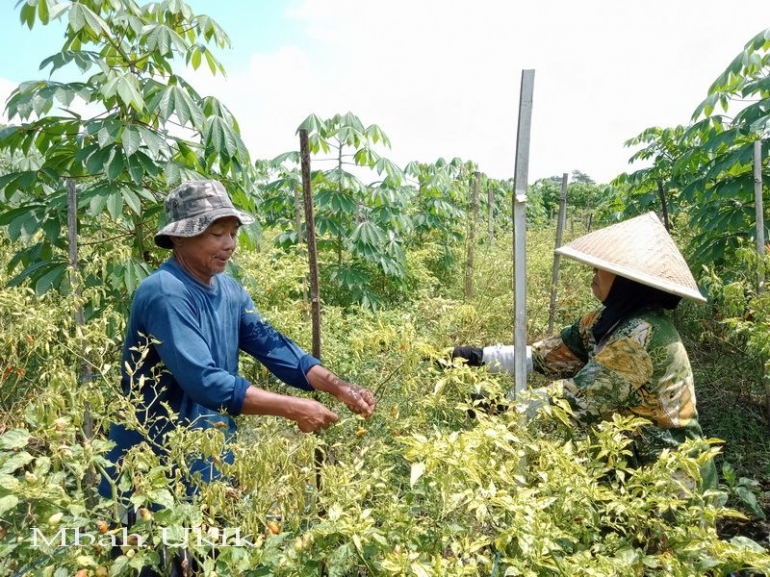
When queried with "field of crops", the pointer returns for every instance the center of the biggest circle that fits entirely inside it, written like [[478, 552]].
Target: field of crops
[[449, 476], [430, 485]]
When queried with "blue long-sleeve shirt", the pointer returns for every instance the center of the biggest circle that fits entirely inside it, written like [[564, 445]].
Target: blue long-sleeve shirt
[[193, 334]]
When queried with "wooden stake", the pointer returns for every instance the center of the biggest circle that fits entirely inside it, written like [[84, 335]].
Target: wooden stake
[[469, 262], [663, 206], [312, 257], [491, 211], [86, 369], [312, 254], [557, 257]]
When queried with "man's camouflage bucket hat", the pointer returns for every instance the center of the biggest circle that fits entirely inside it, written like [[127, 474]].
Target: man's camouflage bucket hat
[[191, 207], [639, 249]]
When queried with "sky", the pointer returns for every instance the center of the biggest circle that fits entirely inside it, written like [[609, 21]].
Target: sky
[[442, 78]]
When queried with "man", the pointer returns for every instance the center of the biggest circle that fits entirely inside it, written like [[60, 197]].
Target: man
[[188, 323]]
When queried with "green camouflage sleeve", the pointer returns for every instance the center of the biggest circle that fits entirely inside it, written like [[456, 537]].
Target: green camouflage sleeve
[[612, 379]]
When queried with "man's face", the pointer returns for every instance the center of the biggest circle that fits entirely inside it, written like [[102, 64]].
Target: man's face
[[206, 255], [602, 283]]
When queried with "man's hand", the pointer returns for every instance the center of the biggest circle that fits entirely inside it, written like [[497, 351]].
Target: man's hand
[[359, 400], [309, 414], [312, 416]]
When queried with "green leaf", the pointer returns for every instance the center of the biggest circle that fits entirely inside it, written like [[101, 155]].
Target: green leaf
[[195, 58], [93, 21], [14, 439], [163, 497], [368, 233], [220, 137], [7, 503], [128, 90], [417, 471], [172, 173], [132, 139], [105, 137], [135, 169], [27, 15], [132, 200], [312, 124], [77, 17], [42, 11], [153, 141], [214, 66], [14, 461], [50, 279], [115, 204], [115, 164], [176, 101]]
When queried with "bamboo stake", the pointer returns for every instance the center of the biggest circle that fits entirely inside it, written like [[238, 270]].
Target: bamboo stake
[[520, 230], [469, 262], [562, 218], [491, 213], [86, 369], [312, 257], [80, 320], [298, 208], [663, 206], [312, 254]]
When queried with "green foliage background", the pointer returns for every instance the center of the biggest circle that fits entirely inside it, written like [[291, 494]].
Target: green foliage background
[[421, 488]]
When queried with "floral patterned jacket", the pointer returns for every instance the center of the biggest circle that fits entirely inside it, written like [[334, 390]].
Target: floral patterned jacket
[[639, 368]]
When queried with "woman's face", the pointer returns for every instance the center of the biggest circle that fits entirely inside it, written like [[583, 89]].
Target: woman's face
[[602, 283], [206, 255]]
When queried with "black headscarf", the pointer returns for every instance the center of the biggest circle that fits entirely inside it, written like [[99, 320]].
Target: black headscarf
[[626, 298]]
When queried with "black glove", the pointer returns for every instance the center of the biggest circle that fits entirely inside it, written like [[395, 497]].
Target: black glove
[[474, 355]]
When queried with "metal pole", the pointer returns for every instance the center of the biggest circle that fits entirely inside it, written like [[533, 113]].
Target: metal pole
[[520, 230], [557, 257], [760, 211]]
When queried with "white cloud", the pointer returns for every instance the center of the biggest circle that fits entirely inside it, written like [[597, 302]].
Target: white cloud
[[442, 78]]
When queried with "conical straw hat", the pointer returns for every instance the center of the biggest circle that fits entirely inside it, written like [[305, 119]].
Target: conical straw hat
[[639, 249]]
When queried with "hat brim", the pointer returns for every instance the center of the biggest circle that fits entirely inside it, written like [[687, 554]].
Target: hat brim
[[640, 277], [195, 225]]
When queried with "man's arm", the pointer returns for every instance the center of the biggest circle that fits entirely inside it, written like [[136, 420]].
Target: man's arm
[[359, 400], [309, 414]]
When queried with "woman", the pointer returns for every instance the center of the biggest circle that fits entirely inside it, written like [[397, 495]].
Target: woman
[[626, 356]]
